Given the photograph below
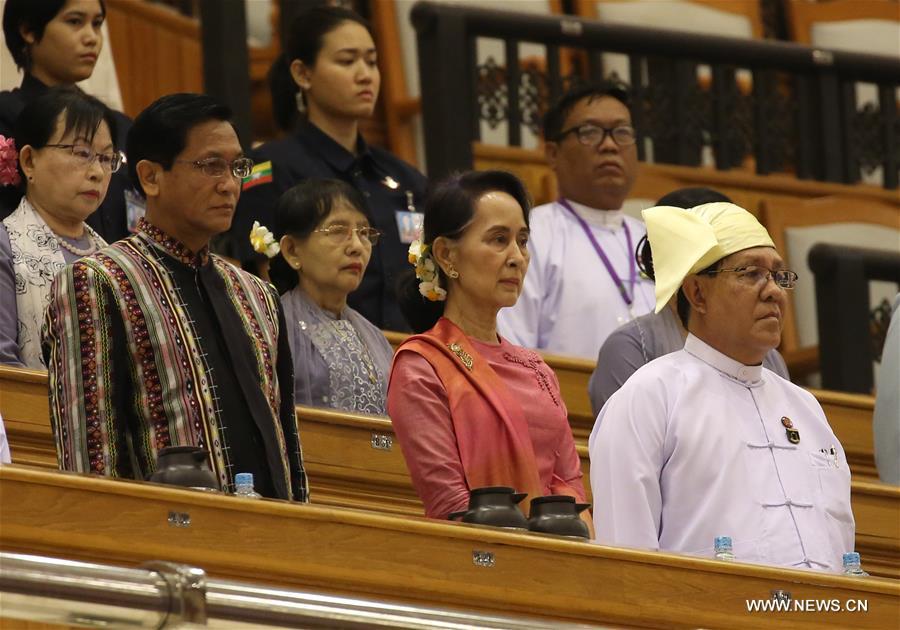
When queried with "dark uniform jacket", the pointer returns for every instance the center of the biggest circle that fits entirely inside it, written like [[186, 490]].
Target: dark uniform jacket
[[387, 182], [110, 220]]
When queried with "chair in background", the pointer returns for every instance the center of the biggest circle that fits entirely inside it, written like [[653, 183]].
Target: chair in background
[[400, 70], [862, 26], [727, 18], [740, 19], [795, 226], [870, 26]]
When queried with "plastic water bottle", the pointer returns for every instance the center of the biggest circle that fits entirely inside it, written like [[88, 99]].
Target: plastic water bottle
[[851, 565], [243, 486], [723, 549]]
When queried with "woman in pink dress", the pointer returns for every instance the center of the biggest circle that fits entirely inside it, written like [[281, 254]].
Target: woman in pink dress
[[469, 408]]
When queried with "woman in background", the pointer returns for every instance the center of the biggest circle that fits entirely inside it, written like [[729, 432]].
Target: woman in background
[[67, 157], [57, 43], [471, 409], [320, 251], [331, 74]]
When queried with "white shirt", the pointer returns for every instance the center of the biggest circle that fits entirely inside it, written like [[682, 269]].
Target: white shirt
[[693, 446], [569, 303]]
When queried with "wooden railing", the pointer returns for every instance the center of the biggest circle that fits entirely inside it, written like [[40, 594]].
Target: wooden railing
[[655, 180], [354, 460], [409, 559], [798, 119]]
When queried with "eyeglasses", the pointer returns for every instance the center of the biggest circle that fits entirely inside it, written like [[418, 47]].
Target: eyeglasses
[[756, 276], [85, 156], [593, 135], [339, 233], [216, 167]]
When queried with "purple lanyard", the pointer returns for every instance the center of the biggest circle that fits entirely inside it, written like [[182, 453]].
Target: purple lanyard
[[632, 274]]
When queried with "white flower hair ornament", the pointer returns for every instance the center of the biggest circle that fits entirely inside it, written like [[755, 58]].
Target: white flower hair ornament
[[263, 241], [426, 271]]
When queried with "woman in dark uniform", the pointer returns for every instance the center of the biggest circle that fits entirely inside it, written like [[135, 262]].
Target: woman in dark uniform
[[57, 42], [331, 66]]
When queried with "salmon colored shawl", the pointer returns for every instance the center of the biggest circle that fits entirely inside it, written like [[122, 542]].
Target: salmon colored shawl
[[491, 430]]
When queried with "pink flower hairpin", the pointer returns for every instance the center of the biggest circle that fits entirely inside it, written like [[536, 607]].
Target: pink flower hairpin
[[9, 162]]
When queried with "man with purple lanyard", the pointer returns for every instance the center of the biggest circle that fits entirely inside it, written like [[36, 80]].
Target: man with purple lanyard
[[582, 281]]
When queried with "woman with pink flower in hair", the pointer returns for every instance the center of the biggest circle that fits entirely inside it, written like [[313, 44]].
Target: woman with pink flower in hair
[[469, 408], [66, 157]]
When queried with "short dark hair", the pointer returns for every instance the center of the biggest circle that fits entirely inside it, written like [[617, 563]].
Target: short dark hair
[[680, 198], [300, 210], [449, 209], [32, 16], [555, 117], [36, 122], [305, 38], [160, 132]]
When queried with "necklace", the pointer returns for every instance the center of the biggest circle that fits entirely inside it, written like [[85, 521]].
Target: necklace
[[75, 250]]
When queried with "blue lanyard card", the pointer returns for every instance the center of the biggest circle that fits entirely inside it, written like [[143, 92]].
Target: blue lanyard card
[[409, 225]]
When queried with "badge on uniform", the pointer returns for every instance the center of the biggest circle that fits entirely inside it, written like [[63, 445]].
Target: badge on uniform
[[409, 225], [793, 435], [261, 174]]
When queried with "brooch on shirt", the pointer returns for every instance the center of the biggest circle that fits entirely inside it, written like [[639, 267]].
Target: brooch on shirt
[[461, 354], [793, 435]]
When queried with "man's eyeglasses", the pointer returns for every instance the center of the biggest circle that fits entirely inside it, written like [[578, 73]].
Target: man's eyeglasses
[[593, 135], [85, 156], [216, 167], [756, 276], [340, 232]]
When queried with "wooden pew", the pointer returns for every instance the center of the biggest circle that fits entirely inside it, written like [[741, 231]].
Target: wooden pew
[[850, 415], [354, 460], [408, 559], [25, 408]]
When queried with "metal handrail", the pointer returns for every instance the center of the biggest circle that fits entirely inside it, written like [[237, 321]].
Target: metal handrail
[[166, 595]]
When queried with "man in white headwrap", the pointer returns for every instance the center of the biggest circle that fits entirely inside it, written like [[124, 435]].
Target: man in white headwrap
[[705, 442]]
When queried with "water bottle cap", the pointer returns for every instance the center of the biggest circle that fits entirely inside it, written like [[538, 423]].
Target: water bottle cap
[[851, 557], [723, 541], [243, 479]]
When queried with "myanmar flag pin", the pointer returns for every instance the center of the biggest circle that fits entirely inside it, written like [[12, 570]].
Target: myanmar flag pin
[[261, 174]]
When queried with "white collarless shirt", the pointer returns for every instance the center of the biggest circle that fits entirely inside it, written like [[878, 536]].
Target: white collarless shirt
[[569, 303], [695, 445]]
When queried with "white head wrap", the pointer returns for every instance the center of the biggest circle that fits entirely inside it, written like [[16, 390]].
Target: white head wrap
[[688, 241]]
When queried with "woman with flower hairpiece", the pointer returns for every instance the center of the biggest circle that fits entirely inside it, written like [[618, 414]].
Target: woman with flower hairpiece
[[65, 160], [471, 409], [318, 255], [56, 43]]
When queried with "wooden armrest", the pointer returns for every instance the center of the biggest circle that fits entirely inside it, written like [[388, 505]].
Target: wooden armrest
[[802, 361]]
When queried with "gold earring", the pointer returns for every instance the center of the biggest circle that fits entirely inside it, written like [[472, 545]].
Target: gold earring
[[453, 273]]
